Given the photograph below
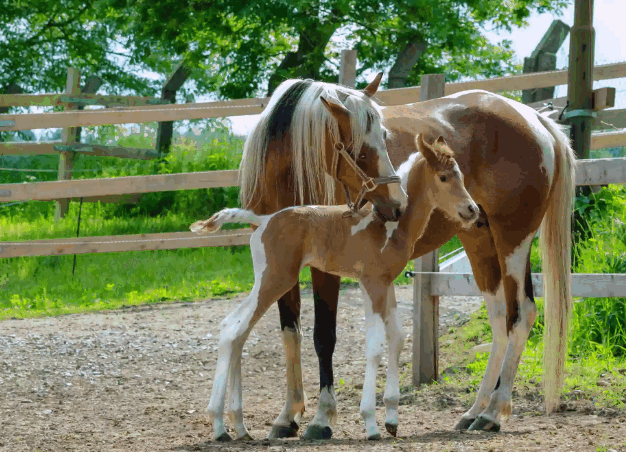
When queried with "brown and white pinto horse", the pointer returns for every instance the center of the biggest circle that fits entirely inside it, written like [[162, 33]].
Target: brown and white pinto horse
[[288, 160], [519, 168], [356, 246]]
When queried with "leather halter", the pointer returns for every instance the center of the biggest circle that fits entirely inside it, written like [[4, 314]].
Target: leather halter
[[368, 184]]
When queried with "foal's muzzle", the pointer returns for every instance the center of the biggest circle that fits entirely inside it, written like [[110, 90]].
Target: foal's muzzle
[[469, 213]]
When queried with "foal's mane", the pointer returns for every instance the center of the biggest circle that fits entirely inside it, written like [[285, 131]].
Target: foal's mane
[[295, 108]]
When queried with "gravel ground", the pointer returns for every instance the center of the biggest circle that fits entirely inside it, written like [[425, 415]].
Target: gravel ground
[[140, 379]]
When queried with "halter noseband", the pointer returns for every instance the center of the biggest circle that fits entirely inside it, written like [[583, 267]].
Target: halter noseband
[[368, 184]]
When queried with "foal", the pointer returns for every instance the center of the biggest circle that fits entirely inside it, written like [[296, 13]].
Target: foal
[[357, 246]]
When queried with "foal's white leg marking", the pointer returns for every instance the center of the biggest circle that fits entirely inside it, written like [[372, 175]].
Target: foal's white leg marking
[[395, 337], [363, 223], [295, 401], [496, 307], [500, 402], [235, 404], [374, 348], [234, 331]]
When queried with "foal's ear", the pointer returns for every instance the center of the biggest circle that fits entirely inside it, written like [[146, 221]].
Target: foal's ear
[[341, 114], [429, 153], [441, 141], [371, 89]]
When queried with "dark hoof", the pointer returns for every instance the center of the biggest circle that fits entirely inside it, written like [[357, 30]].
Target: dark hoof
[[245, 437], [223, 438], [375, 437], [392, 428], [464, 423], [284, 431], [318, 432], [484, 424]]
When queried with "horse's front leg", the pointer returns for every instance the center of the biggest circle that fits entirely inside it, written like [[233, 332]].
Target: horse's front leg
[[395, 338], [325, 297], [286, 424], [374, 302]]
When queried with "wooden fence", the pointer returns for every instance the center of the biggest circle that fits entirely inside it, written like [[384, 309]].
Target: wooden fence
[[428, 284]]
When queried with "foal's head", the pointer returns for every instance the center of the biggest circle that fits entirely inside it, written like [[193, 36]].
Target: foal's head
[[388, 197], [444, 182]]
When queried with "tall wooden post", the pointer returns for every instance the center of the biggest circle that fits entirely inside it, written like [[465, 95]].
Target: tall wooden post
[[425, 306], [68, 136], [347, 68], [543, 59], [580, 78], [168, 93]]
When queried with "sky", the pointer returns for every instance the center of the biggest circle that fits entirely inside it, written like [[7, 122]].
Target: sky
[[610, 47]]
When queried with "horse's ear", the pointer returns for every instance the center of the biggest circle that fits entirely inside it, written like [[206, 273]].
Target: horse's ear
[[426, 150], [371, 89], [341, 114]]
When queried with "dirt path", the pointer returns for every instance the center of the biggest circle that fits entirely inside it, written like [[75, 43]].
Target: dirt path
[[139, 380]]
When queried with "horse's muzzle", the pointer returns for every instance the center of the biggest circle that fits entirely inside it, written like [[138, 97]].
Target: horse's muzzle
[[389, 212]]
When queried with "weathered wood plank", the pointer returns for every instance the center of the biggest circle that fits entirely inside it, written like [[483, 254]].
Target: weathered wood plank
[[608, 140], [594, 285], [119, 243], [157, 113], [52, 147], [604, 98], [601, 171], [83, 99], [117, 185]]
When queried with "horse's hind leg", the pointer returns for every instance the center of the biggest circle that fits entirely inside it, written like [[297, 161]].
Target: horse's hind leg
[[520, 317], [286, 424], [395, 338], [374, 301], [483, 256], [325, 296]]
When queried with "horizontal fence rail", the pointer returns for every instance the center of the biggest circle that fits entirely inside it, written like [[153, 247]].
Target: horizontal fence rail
[[588, 172], [53, 100], [54, 147], [596, 285], [118, 243], [239, 107]]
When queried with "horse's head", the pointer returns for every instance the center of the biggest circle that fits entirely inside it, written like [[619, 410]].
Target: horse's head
[[444, 182], [366, 170]]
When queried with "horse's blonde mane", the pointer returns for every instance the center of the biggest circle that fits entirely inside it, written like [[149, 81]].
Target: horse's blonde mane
[[309, 124]]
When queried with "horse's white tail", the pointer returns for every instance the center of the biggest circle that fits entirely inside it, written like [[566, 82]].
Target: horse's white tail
[[555, 242], [225, 216]]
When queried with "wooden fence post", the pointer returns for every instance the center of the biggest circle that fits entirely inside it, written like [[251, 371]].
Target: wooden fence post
[[425, 306], [68, 136], [543, 59], [347, 68], [168, 93]]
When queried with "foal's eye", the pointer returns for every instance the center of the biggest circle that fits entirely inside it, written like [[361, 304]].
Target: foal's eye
[[443, 178], [362, 156]]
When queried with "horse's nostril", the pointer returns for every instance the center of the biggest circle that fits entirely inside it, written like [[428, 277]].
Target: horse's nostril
[[398, 212], [471, 208]]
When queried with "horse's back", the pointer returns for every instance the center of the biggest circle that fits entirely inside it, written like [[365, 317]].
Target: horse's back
[[501, 146]]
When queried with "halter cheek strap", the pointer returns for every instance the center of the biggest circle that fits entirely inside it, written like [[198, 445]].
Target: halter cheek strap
[[368, 184]]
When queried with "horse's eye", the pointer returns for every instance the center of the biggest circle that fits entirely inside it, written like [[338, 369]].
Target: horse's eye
[[443, 178]]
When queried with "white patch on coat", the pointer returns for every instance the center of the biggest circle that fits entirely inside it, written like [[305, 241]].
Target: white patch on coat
[[363, 223], [405, 169], [390, 226], [326, 414]]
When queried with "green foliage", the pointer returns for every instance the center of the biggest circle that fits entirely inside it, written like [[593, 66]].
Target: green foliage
[[236, 49]]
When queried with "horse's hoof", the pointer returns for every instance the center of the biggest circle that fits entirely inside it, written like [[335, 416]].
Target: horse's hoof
[[284, 431], [245, 437], [485, 424], [224, 437], [464, 423], [318, 432], [374, 437], [391, 428]]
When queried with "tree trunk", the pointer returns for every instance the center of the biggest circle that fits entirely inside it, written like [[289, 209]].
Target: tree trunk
[[308, 59], [405, 61]]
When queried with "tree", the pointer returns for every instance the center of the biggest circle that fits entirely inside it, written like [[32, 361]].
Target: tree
[[243, 48]]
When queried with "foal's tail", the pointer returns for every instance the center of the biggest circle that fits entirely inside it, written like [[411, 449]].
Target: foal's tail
[[225, 216], [555, 242]]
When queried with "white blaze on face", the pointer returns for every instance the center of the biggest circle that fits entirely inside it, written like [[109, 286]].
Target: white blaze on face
[[376, 140]]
